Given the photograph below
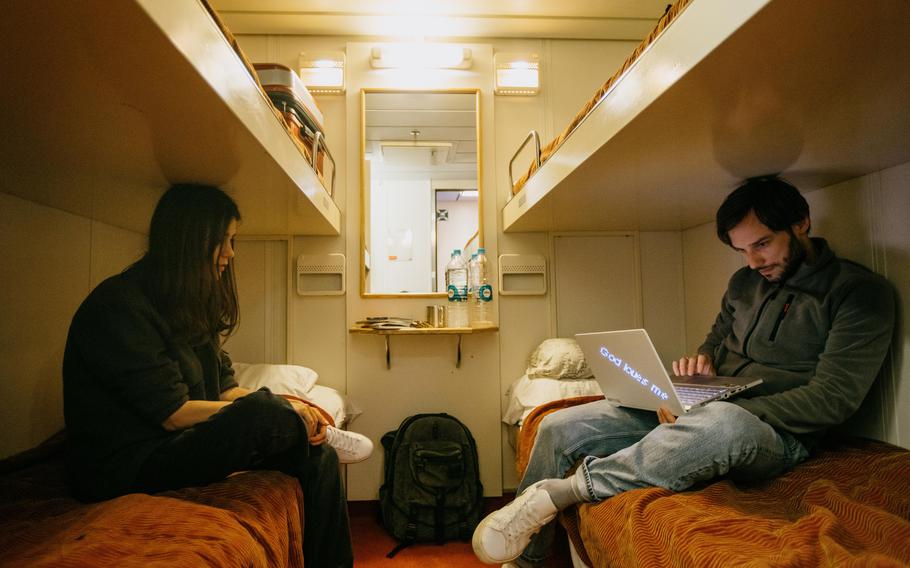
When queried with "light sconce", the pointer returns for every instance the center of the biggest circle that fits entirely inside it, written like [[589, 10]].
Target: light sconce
[[322, 71], [516, 73], [420, 56]]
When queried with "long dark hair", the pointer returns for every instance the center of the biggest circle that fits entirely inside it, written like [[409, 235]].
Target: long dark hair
[[776, 203], [178, 271]]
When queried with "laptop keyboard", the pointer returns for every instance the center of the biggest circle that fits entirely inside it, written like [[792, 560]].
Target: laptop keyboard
[[690, 396]]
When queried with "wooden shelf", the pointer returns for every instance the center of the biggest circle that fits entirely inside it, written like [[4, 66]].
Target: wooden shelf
[[425, 331], [107, 103], [814, 89]]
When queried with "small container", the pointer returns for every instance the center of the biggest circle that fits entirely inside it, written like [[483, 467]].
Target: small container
[[436, 316]]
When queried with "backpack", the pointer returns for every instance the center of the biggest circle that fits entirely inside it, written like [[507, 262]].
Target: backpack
[[431, 489]]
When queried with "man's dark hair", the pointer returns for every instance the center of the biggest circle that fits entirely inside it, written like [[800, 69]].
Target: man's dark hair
[[777, 204], [179, 272]]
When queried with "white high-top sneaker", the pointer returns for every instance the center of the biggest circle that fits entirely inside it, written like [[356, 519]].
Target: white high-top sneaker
[[350, 446], [503, 535]]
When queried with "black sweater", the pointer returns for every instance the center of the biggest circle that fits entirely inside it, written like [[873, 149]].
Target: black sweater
[[124, 373]]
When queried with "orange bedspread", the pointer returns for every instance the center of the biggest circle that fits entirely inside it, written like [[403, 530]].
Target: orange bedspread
[[847, 506], [251, 519]]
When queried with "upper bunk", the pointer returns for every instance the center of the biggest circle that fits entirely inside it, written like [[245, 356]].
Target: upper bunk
[[815, 90], [107, 103]]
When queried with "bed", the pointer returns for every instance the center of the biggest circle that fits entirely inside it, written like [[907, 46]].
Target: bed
[[718, 92], [250, 519], [847, 506]]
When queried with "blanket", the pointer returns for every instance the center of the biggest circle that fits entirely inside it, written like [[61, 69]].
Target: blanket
[[848, 505]]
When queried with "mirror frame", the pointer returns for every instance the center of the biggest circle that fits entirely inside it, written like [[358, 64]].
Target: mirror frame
[[480, 233]]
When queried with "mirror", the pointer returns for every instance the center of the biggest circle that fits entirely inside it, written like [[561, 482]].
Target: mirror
[[420, 188]]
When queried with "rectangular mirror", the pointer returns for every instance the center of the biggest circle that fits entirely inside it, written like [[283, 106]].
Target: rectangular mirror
[[420, 188]]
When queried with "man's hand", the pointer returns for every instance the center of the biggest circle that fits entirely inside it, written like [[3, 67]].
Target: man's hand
[[315, 423], [665, 416], [701, 364]]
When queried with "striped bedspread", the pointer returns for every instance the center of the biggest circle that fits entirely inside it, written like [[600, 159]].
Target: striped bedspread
[[847, 506], [251, 519]]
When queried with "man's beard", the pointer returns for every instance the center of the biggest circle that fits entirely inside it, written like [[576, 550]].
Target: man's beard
[[794, 259]]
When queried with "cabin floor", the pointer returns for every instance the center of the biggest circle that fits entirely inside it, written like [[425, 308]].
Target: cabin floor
[[372, 542]]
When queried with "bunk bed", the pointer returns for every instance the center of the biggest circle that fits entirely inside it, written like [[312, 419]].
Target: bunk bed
[[846, 506], [721, 91], [108, 103]]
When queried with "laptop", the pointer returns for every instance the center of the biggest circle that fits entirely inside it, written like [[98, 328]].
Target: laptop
[[630, 373]]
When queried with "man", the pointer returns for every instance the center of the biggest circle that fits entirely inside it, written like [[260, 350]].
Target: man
[[814, 327]]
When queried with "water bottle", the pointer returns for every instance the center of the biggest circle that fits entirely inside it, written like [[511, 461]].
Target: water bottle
[[483, 291], [457, 290], [472, 284]]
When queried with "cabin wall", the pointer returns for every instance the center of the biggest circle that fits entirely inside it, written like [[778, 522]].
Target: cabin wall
[[423, 377], [864, 220], [51, 259]]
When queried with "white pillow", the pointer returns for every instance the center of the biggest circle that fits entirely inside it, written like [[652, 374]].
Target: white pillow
[[558, 358], [526, 394], [280, 379]]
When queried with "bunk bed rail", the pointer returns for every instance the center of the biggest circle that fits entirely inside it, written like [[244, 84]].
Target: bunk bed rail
[[532, 135]]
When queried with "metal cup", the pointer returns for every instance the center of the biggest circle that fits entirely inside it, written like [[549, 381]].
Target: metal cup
[[436, 316]]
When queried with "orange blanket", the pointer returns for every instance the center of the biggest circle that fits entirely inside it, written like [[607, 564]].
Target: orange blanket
[[251, 519], [847, 506]]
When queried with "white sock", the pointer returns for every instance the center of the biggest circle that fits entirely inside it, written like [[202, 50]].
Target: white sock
[[564, 492]]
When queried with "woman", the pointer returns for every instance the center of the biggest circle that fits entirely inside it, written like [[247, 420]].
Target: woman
[[150, 399]]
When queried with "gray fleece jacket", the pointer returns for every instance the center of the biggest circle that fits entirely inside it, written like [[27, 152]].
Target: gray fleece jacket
[[817, 340]]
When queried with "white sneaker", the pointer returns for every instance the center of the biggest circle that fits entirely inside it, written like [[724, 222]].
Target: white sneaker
[[504, 534], [350, 446]]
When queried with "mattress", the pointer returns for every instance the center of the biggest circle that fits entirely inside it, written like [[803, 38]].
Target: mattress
[[251, 519], [547, 151], [848, 505]]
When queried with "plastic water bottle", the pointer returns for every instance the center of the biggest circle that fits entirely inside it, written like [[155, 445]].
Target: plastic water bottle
[[472, 280], [483, 291], [457, 290]]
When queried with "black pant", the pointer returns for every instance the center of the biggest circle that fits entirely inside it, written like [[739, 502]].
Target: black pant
[[261, 431]]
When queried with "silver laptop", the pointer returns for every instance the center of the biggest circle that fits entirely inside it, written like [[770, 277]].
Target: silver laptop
[[630, 373]]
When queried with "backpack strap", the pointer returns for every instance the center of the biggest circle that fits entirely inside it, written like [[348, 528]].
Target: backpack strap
[[440, 528], [410, 536]]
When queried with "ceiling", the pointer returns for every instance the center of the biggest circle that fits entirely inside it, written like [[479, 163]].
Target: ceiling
[[573, 19], [421, 130]]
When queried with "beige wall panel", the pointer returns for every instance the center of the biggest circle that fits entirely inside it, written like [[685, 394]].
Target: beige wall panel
[[48, 251], [423, 378], [597, 284], [893, 239], [707, 267], [663, 293], [573, 71], [113, 250], [262, 289]]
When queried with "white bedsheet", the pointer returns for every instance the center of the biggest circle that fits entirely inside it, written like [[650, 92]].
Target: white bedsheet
[[525, 394]]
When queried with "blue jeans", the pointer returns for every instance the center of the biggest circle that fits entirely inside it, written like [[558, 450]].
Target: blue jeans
[[624, 448]]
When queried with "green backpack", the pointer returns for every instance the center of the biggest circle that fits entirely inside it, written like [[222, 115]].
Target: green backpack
[[431, 490]]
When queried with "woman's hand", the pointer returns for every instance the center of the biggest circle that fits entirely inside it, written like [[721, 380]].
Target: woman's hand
[[701, 364], [315, 422]]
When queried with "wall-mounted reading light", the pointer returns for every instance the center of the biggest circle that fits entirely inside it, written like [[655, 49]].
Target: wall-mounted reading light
[[322, 71], [420, 56], [517, 73]]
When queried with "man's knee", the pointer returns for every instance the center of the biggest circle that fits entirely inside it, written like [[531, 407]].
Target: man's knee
[[728, 420]]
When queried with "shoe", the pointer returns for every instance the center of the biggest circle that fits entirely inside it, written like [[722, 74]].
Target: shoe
[[350, 446], [503, 535]]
